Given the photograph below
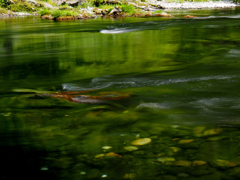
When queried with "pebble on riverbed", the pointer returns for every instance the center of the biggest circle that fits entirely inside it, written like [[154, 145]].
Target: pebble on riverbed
[[106, 147], [212, 132], [166, 159], [189, 16], [224, 163], [130, 148], [198, 163], [183, 163], [185, 141], [140, 142]]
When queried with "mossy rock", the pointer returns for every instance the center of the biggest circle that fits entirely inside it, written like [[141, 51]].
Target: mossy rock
[[65, 18], [48, 17]]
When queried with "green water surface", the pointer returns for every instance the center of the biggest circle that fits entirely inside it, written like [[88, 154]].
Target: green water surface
[[174, 81]]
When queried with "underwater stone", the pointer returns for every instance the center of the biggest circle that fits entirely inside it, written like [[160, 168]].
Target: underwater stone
[[113, 154], [216, 138], [198, 163], [198, 131], [130, 148], [140, 142], [224, 163], [99, 156], [183, 163], [175, 149], [106, 147], [185, 141], [189, 16], [166, 159], [211, 132], [129, 176]]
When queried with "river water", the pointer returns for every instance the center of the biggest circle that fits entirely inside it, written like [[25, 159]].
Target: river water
[[75, 96]]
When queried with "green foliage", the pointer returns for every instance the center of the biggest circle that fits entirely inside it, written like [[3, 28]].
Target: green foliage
[[98, 2], [70, 13], [45, 12], [158, 12], [236, 1], [48, 1], [58, 13], [86, 4], [20, 7], [107, 7], [65, 7], [4, 3], [2, 10], [130, 9]]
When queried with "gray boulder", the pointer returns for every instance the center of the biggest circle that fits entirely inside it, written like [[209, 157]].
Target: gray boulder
[[47, 5], [59, 2], [34, 3]]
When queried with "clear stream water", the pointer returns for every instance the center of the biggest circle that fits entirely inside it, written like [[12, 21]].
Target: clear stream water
[[174, 81]]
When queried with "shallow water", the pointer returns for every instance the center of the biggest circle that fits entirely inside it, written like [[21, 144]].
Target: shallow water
[[172, 80]]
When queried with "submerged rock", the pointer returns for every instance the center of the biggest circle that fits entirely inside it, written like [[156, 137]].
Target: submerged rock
[[106, 147], [99, 156], [189, 16], [140, 142], [129, 176], [163, 15], [212, 132], [183, 163], [113, 154], [166, 159], [197, 131], [175, 149], [224, 163], [185, 141], [130, 148], [198, 163]]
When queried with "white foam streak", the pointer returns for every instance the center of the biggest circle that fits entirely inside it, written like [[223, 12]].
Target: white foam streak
[[117, 30], [152, 106]]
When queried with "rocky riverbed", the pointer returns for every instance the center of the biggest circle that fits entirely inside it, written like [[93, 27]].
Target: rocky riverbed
[[195, 5]]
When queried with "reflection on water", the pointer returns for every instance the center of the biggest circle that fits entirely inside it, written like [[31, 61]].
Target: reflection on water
[[134, 98]]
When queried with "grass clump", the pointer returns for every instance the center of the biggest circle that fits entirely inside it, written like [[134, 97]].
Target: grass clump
[[107, 7], [21, 7], [65, 7], [2, 10], [126, 8], [45, 12], [70, 13], [158, 12], [86, 4], [58, 13]]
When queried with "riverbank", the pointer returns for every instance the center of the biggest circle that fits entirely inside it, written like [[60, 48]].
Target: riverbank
[[195, 5], [67, 10]]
